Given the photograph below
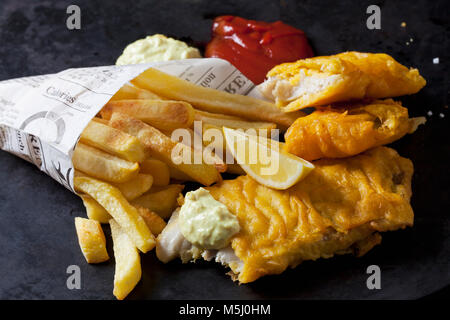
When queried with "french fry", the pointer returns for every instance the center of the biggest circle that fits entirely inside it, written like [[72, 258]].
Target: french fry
[[178, 175], [131, 189], [100, 120], [158, 170], [118, 207], [232, 123], [154, 222], [209, 157], [128, 270], [131, 92], [94, 210], [162, 202], [212, 100], [91, 240], [161, 114], [162, 147], [135, 187], [216, 115], [102, 165], [216, 143], [113, 141], [252, 131]]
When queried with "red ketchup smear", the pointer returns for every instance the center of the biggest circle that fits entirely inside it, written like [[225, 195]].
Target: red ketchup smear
[[255, 47]]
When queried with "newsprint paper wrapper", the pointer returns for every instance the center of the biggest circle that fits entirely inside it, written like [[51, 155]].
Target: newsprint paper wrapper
[[42, 117]]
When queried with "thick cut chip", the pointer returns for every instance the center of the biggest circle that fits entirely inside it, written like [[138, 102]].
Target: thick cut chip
[[132, 92], [128, 263], [118, 207], [158, 170], [178, 175], [113, 141], [131, 189], [102, 165], [216, 115], [193, 139], [205, 117], [91, 239], [165, 149], [162, 202], [154, 222], [94, 210], [100, 120], [161, 114], [212, 100], [135, 187]]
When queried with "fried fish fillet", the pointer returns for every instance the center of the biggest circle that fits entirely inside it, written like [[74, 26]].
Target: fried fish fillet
[[345, 76], [338, 208], [348, 130]]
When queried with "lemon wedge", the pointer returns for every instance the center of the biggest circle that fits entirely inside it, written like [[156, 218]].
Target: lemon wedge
[[264, 160]]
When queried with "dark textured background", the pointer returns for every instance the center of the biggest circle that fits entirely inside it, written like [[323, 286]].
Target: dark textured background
[[37, 234]]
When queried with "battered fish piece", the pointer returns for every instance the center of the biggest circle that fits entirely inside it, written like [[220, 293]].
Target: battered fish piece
[[348, 130], [338, 208], [388, 78], [345, 76]]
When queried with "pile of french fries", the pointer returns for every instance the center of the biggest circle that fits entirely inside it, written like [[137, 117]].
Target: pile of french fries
[[126, 174]]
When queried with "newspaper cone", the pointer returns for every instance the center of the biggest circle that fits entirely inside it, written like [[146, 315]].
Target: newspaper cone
[[42, 117]]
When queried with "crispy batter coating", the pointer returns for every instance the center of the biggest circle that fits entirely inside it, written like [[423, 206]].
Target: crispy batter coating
[[338, 208], [345, 76], [388, 78], [348, 130]]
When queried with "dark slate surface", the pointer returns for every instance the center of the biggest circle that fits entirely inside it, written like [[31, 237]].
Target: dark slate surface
[[37, 235]]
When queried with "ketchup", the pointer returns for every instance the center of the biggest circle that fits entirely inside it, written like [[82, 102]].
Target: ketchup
[[255, 47]]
